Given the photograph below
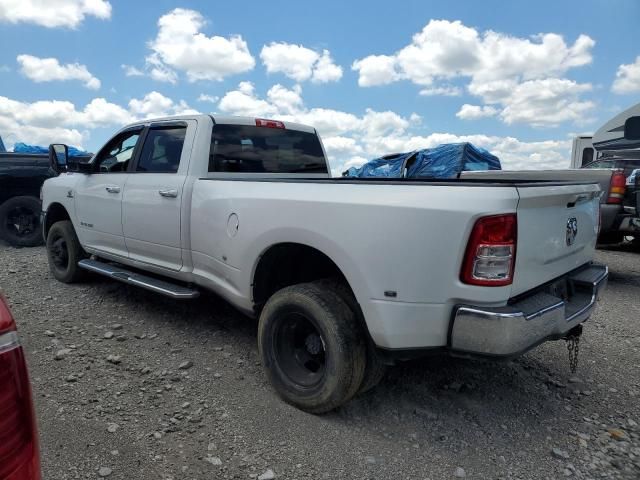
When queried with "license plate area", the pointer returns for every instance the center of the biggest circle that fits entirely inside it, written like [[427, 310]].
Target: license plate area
[[562, 288]]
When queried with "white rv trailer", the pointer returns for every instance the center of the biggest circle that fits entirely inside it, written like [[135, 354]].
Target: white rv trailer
[[610, 137]]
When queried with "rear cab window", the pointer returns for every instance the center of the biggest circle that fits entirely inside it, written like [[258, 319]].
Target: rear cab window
[[260, 149]]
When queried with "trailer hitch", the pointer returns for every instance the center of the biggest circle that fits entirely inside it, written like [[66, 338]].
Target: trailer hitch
[[573, 346]]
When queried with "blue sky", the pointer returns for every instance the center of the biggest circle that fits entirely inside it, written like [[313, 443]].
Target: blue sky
[[531, 74]]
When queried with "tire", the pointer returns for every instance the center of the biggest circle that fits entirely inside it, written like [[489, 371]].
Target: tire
[[64, 252], [312, 347], [375, 369], [20, 221]]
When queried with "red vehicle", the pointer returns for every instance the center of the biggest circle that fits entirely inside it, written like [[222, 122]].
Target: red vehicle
[[19, 454]]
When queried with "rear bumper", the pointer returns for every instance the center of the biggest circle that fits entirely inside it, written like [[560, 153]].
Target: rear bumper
[[512, 330]]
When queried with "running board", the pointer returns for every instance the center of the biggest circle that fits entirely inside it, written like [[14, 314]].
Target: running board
[[159, 286]]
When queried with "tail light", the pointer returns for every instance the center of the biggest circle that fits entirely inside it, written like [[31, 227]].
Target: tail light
[[262, 122], [491, 252], [19, 456], [617, 187]]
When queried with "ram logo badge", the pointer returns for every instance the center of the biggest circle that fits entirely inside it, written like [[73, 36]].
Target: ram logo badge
[[572, 230]]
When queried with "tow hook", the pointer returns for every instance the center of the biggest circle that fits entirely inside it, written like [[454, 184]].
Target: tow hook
[[573, 346]]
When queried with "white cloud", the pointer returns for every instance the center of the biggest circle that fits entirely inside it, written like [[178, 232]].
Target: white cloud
[[50, 121], [547, 102], [100, 112], [131, 71], [180, 45], [445, 49], [286, 101], [154, 104], [376, 70], [50, 69], [203, 97], [627, 78], [342, 147], [473, 112], [158, 71], [244, 102], [351, 139], [495, 64], [295, 61], [300, 63], [53, 13], [325, 70], [445, 91]]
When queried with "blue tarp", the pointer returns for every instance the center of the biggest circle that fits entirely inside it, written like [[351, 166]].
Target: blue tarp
[[443, 161], [24, 148]]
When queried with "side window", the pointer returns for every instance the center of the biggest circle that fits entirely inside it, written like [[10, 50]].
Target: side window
[[116, 155], [587, 156], [162, 150]]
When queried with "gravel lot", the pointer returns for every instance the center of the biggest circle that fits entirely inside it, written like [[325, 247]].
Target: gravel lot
[[130, 385]]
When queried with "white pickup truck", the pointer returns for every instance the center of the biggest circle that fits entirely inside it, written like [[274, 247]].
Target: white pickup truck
[[345, 275]]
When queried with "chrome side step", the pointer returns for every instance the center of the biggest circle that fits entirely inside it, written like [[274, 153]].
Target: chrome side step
[[159, 286]]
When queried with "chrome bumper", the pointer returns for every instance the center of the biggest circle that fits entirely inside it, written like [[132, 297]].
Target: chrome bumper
[[514, 329]]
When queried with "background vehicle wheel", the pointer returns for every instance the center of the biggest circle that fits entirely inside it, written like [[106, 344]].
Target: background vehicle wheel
[[20, 221], [64, 252], [312, 347], [375, 369]]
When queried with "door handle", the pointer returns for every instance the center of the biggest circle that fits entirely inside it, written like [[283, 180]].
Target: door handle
[[170, 193], [112, 189]]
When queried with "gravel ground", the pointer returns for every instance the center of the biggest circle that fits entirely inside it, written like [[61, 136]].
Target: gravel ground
[[130, 385]]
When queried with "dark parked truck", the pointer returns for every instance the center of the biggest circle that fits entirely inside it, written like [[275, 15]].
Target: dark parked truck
[[21, 177]]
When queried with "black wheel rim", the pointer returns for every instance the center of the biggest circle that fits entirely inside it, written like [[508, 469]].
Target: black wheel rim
[[22, 221], [299, 349], [59, 252]]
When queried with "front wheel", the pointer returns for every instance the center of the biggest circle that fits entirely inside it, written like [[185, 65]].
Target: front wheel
[[20, 221], [64, 252], [311, 346]]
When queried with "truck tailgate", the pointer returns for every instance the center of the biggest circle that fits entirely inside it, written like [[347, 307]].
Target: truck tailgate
[[557, 230]]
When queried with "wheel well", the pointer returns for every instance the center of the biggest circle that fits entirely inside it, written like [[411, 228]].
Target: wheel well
[[55, 213], [287, 264]]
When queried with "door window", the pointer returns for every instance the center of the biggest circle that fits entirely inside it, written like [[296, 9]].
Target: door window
[[116, 155], [162, 150], [587, 156]]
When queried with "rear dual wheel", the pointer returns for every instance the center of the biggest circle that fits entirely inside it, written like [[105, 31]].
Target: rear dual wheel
[[313, 347]]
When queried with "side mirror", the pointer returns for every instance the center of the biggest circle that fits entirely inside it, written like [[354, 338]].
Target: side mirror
[[632, 128], [58, 157]]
